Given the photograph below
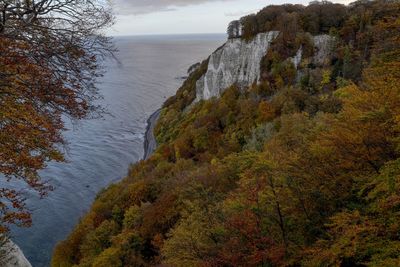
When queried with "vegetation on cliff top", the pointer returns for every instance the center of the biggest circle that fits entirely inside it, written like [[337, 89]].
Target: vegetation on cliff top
[[300, 170]]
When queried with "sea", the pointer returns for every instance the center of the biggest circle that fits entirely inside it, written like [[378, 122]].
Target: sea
[[147, 70]]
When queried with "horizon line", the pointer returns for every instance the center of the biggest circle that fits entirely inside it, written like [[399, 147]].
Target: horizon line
[[166, 34]]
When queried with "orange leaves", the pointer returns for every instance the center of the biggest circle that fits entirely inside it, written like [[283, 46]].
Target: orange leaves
[[12, 209], [266, 111], [31, 103], [318, 185], [247, 245]]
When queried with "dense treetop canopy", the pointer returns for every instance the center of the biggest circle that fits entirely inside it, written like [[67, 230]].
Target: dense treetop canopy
[[301, 169]]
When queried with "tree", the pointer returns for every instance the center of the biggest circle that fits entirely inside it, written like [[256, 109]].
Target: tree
[[195, 239], [255, 224], [285, 175], [50, 54], [249, 26], [234, 29], [109, 257]]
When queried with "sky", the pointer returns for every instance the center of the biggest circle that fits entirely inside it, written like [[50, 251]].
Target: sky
[[152, 17]]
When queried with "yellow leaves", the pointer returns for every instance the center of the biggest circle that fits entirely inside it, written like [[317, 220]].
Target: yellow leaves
[[193, 238], [348, 230], [384, 77], [326, 77], [109, 257], [132, 217], [386, 187], [348, 92], [300, 171]]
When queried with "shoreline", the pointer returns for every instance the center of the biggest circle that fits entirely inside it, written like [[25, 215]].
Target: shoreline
[[150, 143], [16, 257]]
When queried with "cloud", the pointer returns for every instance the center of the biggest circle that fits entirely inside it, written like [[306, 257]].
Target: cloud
[[137, 7], [239, 14]]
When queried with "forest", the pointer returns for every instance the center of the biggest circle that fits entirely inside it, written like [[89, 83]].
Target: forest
[[300, 169]]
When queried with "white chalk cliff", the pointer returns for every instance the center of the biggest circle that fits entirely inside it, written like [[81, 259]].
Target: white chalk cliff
[[236, 62], [324, 45], [14, 257]]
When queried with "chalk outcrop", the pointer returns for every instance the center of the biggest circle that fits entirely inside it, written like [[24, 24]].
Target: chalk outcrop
[[323, 46], [13, 256], [297, 58], [236, 62]]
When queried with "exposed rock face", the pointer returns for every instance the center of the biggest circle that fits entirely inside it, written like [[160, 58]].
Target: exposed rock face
[[236, 62], [324, 45], [14, 256], [297, 58]]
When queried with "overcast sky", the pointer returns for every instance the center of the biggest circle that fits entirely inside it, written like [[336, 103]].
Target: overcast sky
[[139, 17]]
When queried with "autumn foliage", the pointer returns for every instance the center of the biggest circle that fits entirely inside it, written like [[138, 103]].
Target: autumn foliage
[[290, 172], [47, 71]]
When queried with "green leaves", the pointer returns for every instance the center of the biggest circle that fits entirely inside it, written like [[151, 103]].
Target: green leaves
[[277, 175]]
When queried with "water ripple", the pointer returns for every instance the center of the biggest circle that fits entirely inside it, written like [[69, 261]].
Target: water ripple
[[100, 151]]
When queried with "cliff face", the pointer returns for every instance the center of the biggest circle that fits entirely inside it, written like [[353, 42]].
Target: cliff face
[[15, 257], [238, 62], [287, 151], [324, 45]]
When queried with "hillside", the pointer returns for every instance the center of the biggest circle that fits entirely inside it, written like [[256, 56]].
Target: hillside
[[287, 156]]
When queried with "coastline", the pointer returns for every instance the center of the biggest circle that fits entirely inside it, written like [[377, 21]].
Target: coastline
[[150, 143], [16, 257]]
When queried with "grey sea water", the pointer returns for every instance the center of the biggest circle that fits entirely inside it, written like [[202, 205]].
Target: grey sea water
[[100, 150]]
